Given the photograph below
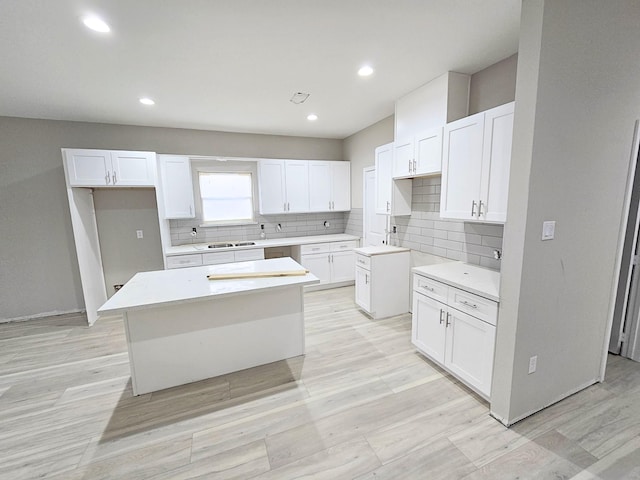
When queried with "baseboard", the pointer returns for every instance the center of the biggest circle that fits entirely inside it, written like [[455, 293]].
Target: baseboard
[[26, 318]]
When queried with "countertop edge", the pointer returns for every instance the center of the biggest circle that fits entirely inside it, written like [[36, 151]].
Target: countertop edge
[[419, 270]]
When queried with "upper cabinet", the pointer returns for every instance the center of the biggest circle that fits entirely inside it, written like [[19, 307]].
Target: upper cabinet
[[109, 168], [419, 118], [475, 166], [302, 186], [177, 186], [329, 186], [393, 197], [283, 186]]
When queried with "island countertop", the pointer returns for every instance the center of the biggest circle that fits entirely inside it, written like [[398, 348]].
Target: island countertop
[[166, 287]]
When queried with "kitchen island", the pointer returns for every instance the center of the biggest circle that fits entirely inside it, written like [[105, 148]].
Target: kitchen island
[[182, 327]]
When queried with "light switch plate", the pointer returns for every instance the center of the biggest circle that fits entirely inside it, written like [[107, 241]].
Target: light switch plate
[[548, 230]]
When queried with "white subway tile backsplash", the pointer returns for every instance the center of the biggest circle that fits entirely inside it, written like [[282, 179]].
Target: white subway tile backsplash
[[465, 237]]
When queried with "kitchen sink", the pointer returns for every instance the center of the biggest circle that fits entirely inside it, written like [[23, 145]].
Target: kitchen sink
[[221, 245], [228, 244]]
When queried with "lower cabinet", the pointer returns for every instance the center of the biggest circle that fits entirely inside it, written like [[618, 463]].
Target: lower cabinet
[[331, 262], [460, 342]]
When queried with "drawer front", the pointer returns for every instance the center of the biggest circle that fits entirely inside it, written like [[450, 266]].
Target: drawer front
[[181, 261], [250, 254], [363, 261], [430, 288], [217, 257], [474, 305], [343, 246], [315, 248]]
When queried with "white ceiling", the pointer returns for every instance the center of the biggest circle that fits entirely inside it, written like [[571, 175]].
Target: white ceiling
[[233, 65]]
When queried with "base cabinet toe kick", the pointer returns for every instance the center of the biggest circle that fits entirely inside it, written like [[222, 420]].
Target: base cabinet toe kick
[[456, 329]]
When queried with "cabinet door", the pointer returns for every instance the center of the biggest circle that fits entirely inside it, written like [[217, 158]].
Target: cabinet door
[[469, 349], [133, 169], [88, 168], [340, 186], [403, 158], [297, 185], [462, 167], [271, 189], [363, 288], [384, 166], [427, 326], [428, 152], [496, 161], [343, 266], [177, 186], [318, 264], [320, 177]]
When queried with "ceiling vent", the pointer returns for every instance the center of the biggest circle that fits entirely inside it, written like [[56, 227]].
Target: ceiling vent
[[299, 97]]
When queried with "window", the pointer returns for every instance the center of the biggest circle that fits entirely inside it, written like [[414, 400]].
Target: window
[[227, 197]]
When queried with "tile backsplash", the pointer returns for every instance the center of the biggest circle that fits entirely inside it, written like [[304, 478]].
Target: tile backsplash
[[292, 225]]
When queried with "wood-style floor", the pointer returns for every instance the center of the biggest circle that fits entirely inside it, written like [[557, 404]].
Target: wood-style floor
[[361, 404]]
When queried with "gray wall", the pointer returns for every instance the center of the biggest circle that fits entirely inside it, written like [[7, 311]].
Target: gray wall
[[493, 86], [578, 96], [120, 212], [38, 267]]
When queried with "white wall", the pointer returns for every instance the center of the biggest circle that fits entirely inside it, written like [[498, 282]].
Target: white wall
[[577, 98], [38, 267]]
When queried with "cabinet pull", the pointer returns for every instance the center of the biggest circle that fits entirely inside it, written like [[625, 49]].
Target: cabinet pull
[[284, 207], [115, 180], [288, 207], [329, 205], [441, 316], [473, 208], [448, 317], [333, 205], [366, 279], [388, 206], [361, 261], [480, 208], [472, 305], [414, 166], [108, 178], [428, 288], [190, 209], [409, 165]]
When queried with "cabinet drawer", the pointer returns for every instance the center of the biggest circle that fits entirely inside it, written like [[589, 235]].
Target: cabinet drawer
[[430, 288], [474, 305], [315, 248], [217, 257], [180, 261], [251, 254], [343, 246], [363, 261]]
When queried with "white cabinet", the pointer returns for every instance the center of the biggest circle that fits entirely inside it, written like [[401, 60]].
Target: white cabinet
[[177, 186], [456, 329], [329, 186], [214, 258], [393, 197], [420, 155], [382, 280], [109, 168], [332, 262], [283, 186], [475, 166]]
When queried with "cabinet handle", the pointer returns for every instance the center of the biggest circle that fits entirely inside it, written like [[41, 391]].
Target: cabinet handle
[[288, 207], [427, 288], [441, 316], [115, 180], [480, 208], [409, 165], [414, 166], [108, 178], [473, 208], [388, 206], [448, 317], [366, 279], [190, 209], [333, 205], [329, 205], [472, 305]]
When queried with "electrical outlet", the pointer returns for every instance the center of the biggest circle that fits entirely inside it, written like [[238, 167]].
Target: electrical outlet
[[533, 364], [139, 234]]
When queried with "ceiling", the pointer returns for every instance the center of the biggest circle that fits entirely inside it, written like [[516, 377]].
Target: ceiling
[[233, 65]]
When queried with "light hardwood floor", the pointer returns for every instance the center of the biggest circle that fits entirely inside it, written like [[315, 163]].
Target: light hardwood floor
[[361, 404]]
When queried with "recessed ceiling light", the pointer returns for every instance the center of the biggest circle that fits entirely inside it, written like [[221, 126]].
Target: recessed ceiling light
[[365, 71], [312, 117], [147, 101], [96, 24]]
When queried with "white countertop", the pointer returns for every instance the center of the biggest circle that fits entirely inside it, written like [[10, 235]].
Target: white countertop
[[472, 278], [380, 250], [165, 287], [269, 242]]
